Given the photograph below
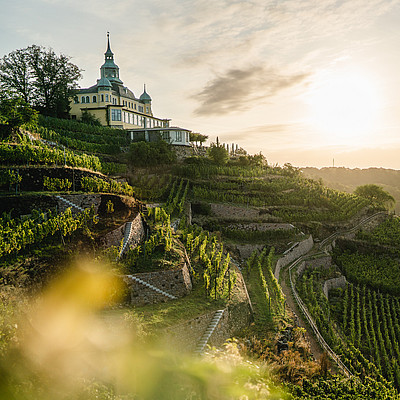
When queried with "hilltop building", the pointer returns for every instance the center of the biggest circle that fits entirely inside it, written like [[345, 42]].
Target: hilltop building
[[116, 106]]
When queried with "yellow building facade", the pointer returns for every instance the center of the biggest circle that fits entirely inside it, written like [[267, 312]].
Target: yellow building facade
[[113, 103]]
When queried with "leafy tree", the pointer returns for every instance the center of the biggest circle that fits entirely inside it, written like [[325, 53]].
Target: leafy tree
[[90, 119], [16, 74], [198, 138], [143, 154], [376, 195], [42, 78], [15, 112], [218, 154]]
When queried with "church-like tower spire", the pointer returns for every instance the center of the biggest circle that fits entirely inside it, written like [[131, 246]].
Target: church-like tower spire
[[109, 69]]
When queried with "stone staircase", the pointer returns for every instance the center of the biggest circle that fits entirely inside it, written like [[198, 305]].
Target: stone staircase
[[127, 236], [170, 296], [209, 331], [70, 203]]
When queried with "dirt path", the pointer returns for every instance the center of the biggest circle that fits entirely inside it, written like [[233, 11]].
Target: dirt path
[[291, 303]]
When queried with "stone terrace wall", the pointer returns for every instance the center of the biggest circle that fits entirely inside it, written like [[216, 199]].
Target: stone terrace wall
[[186, 335], [114, 237], [297, 251], [333, 284], [81, 200], [176, 282], [325, 262]]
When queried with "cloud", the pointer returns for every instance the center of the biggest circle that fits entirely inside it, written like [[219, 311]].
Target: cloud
[[237, 89]]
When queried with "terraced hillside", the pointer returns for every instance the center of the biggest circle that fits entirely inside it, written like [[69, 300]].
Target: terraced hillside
[[197, 267]]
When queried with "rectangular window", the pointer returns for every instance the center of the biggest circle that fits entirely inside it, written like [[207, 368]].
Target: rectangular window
[[140, 108], [179, 136], [106, 97], [165, 135], [135, 106], [115, 115]]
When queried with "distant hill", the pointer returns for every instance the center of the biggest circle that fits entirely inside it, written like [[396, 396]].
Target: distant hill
[[347, 180]]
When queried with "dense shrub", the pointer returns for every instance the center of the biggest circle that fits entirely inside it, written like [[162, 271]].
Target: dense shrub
[[142, 154]]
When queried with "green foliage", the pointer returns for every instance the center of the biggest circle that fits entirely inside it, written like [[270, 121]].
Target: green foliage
[[375, 195], [381, 272], [198, 137], [337, 388], [151, 186], [81, 136], [96, 185], [218, 154], [22, 154], [210, 265], [89, 118], [16, 234], [110, 207], [371, 324], [56, 184], [15, 112], [293, 199], [42, 78], [143, 154], [386, 234], [177, 197]]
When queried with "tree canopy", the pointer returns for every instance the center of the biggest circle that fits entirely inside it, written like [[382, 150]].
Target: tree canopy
[[376, 195], [198, 137], [14, 112], [218, 154], [143, 154], [41, 78]]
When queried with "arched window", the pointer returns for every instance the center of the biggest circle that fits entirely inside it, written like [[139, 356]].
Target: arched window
[[83, 100], [102, 97], [94, 99], [106, 97], [87, 99]]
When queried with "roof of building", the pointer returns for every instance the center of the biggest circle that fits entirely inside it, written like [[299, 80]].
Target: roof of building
[[91, 89], [124, 92], [168, 128], [145, 97], [103, 82]]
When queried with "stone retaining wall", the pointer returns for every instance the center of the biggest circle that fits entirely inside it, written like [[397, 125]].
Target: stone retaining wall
[[186, 335], [238, 316], [81, 200], [260, 227], [324, 262], [333, 284], [183, 152], [175, 282], [295, 252], [114, 237]]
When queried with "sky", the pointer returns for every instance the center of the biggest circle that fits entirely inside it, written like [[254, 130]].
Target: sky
[[309, 82]]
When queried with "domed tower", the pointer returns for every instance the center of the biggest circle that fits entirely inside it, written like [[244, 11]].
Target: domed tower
[[109, 69], [145, 97], [146, 100]]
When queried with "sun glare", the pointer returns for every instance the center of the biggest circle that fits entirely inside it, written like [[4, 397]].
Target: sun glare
[[344, 107]]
